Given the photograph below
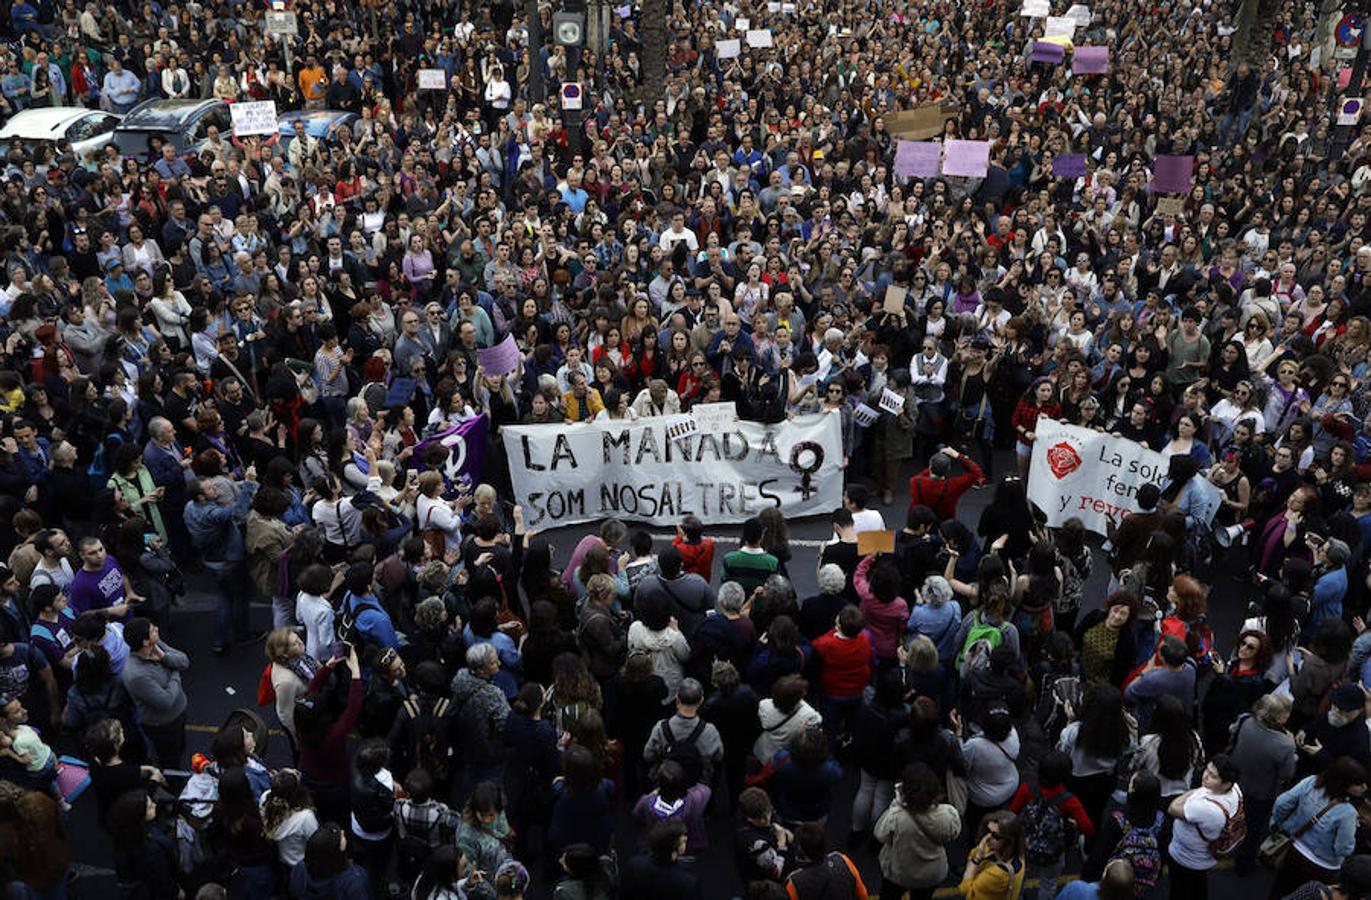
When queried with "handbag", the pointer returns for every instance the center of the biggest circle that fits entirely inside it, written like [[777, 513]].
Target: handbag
[[1275, 847], [955, 788]]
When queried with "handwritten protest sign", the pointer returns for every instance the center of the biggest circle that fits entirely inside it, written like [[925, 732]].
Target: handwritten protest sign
[[1170, 206], [759, 37], [715, 418], [432, 80], [893, 301], [501, 359], [1172, 174], [1059, 26], [1081, 13], [1036, 9], [918, 159], [968, 159], [741, 24], [728, 49], [256, 117], [1089, 60]]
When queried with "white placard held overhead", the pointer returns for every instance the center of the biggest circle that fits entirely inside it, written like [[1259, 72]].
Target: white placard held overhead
[[741, 25], [715, 418], [1081, 13], [759, 37], [1349, 110], [1060, 26], [432, 80], [728, 49], [256, 117], [1036, 9]]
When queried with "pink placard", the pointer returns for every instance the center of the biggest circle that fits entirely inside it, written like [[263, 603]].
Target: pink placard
[[968, 159], [1172, 174], [1088, 60], [918, 159]]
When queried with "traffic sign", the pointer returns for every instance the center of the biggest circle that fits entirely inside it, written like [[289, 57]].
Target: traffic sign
[[571, 95], [1349, 110]]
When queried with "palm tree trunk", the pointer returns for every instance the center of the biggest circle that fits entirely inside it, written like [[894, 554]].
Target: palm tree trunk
[[654, 13]]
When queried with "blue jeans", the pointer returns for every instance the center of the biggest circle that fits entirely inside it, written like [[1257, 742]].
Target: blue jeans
[[1243, 119], [235, 595]]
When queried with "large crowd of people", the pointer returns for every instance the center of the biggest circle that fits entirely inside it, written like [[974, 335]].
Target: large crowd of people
[[222, 360]]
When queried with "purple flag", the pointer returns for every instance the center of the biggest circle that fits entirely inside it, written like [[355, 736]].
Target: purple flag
[[1172, 174], [466, 444], [918, 159], [1068, 165], [969, 159], [1088, 60], [1045, 52]]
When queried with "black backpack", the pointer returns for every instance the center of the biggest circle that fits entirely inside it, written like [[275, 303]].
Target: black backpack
[[685, 751], [429, 727]]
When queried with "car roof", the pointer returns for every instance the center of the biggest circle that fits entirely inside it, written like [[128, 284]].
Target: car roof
[[50, 123], [164, 114]]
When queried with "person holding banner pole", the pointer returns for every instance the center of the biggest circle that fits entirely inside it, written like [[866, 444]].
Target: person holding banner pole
[[1036, 401]]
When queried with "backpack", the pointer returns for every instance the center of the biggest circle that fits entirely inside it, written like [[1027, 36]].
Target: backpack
[[1058, 694], [100, 470], [685, 751], [1142, 848], [353, 606], [432, 743], [980, 640], [1233, 833], [1047, 830]]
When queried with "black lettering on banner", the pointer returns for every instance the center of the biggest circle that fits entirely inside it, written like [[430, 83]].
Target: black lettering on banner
[[528, 456], [561, 450], [622, 441], [705, 488], [557, 505], [647, 446], [764, 489], [534, 503], [735, 446], [728, 493], [712, 442], [768, 447]]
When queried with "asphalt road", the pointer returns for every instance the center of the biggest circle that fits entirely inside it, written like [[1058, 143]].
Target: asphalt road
[[218, 685]]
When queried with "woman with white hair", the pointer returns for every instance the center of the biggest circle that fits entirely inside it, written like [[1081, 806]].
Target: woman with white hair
[[936, 615]]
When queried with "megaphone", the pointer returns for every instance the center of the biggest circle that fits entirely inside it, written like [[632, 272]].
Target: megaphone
[[1230, 535]]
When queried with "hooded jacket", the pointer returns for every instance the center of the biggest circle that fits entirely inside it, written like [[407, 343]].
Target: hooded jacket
[[669, 651], [349, 884]]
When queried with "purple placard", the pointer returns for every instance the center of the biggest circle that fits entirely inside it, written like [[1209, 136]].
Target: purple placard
[[1172, 174], [1088, 60], [1045, 52], [918, 159], [501, 359], [1068, 165], [968, 159]]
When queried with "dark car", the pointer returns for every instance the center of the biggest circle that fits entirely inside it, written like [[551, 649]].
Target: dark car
[[181, 123]]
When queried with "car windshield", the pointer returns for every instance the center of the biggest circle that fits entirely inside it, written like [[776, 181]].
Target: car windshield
[[135, 143]]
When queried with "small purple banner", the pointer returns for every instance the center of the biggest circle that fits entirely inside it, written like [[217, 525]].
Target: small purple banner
[[466, 444], [1172, 174], [1068, 165], [967, 159], [918, 159], [1045, 52], [1088, 60]]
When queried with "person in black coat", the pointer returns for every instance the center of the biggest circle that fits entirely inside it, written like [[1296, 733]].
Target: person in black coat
[[657, 873], [635, 701], [732, 708], [145, 858], [534, 761]]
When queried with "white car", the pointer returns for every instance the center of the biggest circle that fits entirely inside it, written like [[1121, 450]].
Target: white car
[[88, 130]]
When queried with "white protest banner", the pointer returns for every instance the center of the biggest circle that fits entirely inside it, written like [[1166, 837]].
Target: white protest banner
[[759, 37], [432, 80], [1060, 26], [634, 470], [1036, 9], [1081, 13], [256, 117], [865, 416], [1094, 476], [715, 418], [728, 49], [891, 402]]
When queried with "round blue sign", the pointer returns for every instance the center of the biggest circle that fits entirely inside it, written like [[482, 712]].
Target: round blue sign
[[1348, 31]]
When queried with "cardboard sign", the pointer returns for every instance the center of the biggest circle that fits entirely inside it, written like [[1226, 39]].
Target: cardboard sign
[[759, 37], [893, 301], [1170, 206], [682, 427], [892, 402], [432, 80], [728, 49], [921, 122], [742, 25], [256, 117], [968, 159], [865, 416], [869, 542], [715, 418]]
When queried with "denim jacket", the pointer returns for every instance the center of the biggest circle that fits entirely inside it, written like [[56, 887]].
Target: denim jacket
[[1332, 839]]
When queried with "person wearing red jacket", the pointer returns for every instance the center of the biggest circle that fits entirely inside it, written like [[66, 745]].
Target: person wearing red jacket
[[933, 488], [697, 551], [1051, 790], [1036, 401], [845, 663]]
